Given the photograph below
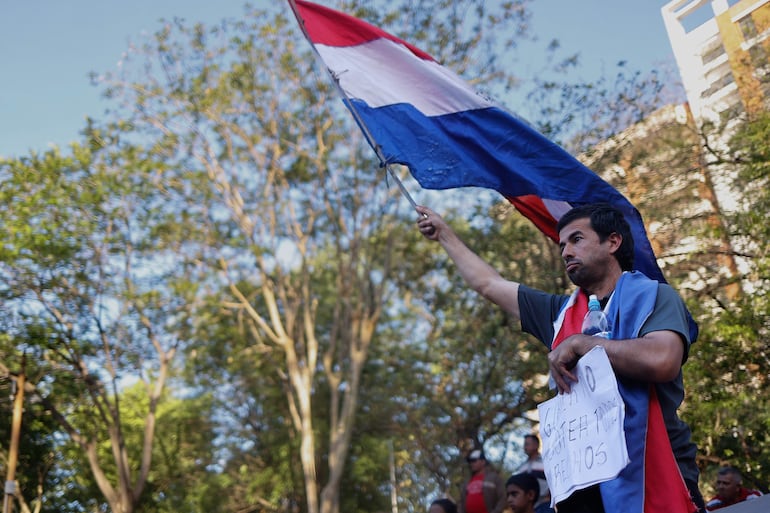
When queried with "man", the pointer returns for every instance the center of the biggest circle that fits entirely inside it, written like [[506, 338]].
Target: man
[[484, 492], [730, 490], [534, 466], [647, 347]]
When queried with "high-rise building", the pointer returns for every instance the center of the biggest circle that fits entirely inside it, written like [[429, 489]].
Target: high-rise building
[[721, 49]]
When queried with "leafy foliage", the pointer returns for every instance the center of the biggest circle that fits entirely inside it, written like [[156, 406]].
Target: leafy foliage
[[732, 421], [87, 303]]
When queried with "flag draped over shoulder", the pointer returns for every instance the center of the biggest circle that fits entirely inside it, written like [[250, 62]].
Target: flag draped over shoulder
[[420, 114], [651, 482]]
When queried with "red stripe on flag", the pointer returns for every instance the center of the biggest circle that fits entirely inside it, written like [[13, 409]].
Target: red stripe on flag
[[333, 28], [573, 320], [660, 468], [535, 210]]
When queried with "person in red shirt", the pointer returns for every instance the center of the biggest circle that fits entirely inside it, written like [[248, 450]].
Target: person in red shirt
[[484, 492], [730, 490]]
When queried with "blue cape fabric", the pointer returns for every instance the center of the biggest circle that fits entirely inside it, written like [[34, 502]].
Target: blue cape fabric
[[631, 305]]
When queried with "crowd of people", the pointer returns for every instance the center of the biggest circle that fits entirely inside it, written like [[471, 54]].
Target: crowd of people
[[648, 341], [526, 490], [534, 466], [485, 492]]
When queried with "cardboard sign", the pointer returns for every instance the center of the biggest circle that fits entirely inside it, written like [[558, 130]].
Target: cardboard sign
[[582, 431]]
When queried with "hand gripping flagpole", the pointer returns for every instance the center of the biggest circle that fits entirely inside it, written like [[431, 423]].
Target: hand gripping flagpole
[[352, 109]]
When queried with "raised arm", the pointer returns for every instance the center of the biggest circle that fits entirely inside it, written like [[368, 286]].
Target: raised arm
[[479, 275]]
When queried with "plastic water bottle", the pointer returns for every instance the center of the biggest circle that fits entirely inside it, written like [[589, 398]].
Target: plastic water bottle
[[595, 322]]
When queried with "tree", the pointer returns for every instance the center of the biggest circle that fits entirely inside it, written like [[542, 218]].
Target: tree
[[250, 128], [300, 231], [581, 115], [89, 299], [36, 475], [731, 420], [477, 377], [183, 475]]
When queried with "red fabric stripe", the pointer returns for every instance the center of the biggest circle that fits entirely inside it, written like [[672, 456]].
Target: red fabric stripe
[[573, 320], [535, 210], [333, 28], [664, 488]]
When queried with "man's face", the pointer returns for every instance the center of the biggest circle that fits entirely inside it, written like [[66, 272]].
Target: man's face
[[530, 446], [728, 486], [476, 465], [586, 260]]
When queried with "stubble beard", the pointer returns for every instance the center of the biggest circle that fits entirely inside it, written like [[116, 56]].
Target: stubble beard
[[583, 277]]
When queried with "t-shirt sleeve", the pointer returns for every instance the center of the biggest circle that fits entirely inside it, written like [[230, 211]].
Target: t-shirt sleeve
[[670, 314], [538, 310]]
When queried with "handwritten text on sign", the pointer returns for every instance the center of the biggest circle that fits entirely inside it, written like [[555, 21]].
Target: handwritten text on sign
[[582, 432]]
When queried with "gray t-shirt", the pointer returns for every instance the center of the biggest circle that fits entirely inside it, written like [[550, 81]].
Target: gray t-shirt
[[538, 311]]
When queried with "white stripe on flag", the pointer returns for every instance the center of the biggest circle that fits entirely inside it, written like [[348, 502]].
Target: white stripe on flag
[[556, 208], [382, 72]]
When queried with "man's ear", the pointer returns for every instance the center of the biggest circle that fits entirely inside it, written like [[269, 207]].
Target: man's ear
[[615, 240]]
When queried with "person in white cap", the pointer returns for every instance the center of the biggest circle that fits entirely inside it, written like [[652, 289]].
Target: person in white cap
[[484, 492]]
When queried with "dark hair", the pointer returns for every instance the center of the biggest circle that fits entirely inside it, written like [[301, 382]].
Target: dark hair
[[732, 471], [446, 504], [605, 220], [526, 482], [533, 437]]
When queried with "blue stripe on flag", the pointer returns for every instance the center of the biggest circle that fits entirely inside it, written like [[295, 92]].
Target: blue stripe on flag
[[493, 149]]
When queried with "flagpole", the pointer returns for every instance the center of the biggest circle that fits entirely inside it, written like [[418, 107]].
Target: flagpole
[[353, 111]]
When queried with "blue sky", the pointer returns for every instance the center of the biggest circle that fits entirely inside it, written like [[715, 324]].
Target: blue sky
[[48, 48]]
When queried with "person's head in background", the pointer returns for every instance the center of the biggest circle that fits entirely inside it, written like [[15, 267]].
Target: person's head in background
[[476, 461], [442, 506], [531, 445], [729, 481], [522, 491]]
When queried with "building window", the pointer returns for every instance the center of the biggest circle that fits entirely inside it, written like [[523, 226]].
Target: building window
[[722, 82], [712, 54], [748, 27]]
